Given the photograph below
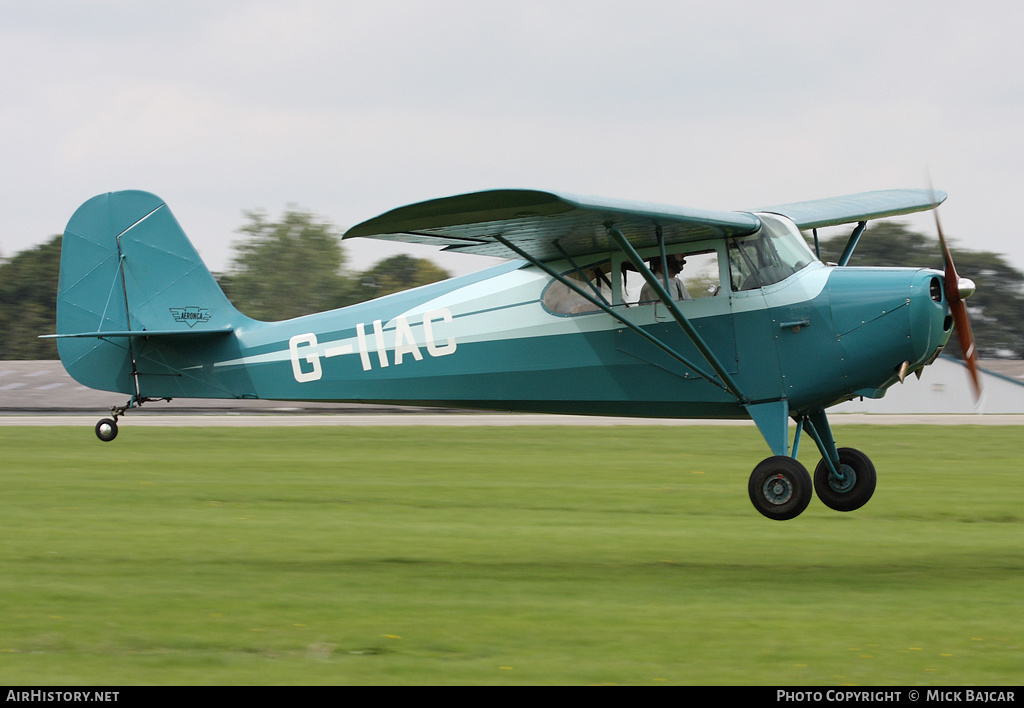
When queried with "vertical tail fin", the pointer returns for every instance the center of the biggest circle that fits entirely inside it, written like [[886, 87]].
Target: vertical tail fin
[[127, 268]]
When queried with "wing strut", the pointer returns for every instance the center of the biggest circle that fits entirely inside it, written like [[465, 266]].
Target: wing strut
[[608, 310], [579, 272], [852, 243], [680, 318]]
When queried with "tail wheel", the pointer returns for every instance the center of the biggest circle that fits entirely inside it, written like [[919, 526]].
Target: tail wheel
[[856, 487], [780, 488], [106, 430]]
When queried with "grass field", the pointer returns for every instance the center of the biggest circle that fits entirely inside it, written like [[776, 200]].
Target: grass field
[[502, 555]]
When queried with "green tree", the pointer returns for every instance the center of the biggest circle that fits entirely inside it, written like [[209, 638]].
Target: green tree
[[295, 267], [395, 274], [287, 268], [28, 302], [887, 243], [996, 309]]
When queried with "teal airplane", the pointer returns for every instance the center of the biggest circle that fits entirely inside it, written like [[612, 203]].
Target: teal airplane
[[603, 307]]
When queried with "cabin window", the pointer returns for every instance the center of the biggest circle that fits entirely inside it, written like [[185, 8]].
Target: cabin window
[[594, 280], [769, 256], [692, 276]]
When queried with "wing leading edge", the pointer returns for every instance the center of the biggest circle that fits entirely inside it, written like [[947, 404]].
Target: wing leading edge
[[865, 206], [547, 225]]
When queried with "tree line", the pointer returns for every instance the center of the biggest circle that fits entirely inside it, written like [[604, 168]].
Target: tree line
[[296, 266]]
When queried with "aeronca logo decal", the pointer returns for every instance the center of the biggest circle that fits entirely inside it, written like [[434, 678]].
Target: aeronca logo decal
[[191, 315], [306, 352]]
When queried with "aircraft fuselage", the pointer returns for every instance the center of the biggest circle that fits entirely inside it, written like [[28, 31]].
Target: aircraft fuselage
[[487, 340]]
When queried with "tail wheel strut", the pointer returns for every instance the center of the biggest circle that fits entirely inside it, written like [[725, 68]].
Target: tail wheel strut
[[106, 428]]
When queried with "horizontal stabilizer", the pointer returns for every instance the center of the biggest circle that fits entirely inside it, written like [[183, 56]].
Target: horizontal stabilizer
[[142, 333]]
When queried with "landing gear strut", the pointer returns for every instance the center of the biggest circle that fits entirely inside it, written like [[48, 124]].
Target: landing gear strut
[[781, 488]]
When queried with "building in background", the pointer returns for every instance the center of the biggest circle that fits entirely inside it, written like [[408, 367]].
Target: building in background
[[944, 388]]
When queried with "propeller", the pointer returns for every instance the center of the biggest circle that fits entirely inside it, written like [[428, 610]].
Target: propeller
[[957, 289]]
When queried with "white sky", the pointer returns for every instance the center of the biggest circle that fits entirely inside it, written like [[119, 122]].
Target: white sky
[[352, 108]]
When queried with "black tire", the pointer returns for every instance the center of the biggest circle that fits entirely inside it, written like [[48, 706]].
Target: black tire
[[780, 488], [106, 430], [852, 494]]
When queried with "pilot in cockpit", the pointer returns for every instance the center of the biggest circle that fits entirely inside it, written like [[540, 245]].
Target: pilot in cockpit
[[676, 289]]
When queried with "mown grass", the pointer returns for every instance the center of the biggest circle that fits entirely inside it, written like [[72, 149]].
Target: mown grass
[[501, 555]]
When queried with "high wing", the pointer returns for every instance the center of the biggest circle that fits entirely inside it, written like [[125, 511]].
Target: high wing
[[547, 225], [550, 226], [819, 213]]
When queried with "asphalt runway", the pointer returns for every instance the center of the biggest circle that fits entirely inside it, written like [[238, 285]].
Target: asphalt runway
[[222, 420], [44, 388], [41, 393]]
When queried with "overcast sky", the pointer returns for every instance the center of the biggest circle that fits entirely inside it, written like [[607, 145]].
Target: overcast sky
[[349, 109]]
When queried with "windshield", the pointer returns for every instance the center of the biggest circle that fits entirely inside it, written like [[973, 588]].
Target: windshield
[[772, 254]]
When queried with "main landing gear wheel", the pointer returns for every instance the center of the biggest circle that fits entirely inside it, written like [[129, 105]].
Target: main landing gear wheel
[[852, 492], [780, 488], [106, 429]]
